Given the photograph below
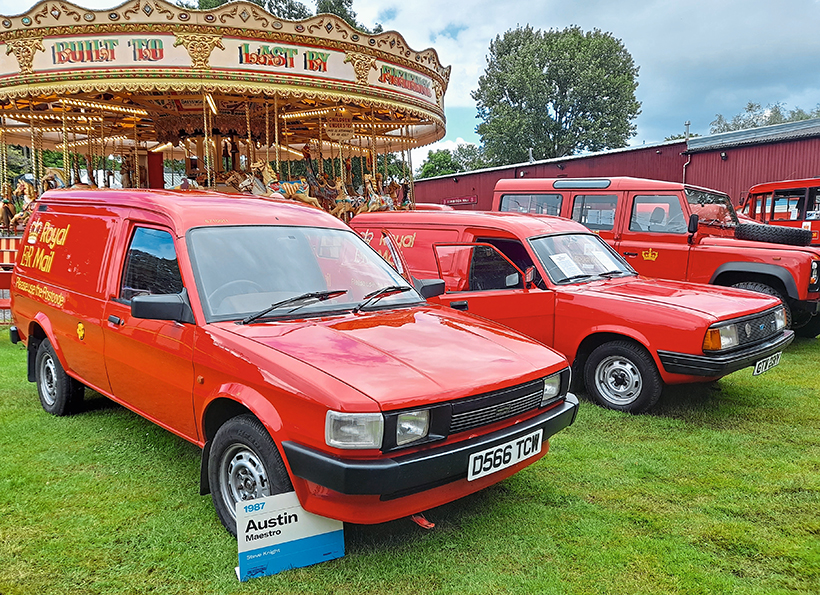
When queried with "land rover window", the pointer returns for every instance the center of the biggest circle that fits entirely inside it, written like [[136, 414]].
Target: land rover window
[[788, 204], [595, 211], [658, 214], [711, 208], [151, 266], [538, 204]]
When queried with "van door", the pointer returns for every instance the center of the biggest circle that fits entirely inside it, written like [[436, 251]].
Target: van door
[[149, 362], [654, 238], [479, 279], [597, 212]]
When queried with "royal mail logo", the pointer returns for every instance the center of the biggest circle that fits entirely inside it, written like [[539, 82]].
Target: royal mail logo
[[649, 255]]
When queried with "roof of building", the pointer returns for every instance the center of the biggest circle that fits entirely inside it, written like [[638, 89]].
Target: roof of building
[[754, 136]]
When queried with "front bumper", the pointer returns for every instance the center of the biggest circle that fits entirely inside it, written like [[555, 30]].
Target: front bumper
[[399, 476], [721, 365]]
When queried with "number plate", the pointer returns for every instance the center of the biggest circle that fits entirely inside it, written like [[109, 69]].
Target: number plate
[[767, 363], [504, 455]]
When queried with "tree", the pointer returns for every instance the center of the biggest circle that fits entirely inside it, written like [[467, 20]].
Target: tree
[[294, 10], [468, 157], [438, 163], [344, 9], [680, 137], [754, 116], [557, 92]]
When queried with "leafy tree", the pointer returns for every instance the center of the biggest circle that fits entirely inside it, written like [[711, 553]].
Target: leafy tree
[[296, 11], [680, 137], [557, 92], [438, 163], [469, 157], [754, 116], [344, 10]]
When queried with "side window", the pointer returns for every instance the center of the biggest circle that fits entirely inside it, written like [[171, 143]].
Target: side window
[[658, 214], [151, 265], [788, 204], [595, 211], [515, 251], [539, 204], [490, 270], [812, 204]]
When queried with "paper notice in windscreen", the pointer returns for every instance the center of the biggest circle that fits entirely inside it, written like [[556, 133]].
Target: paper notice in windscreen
[[606, 260], [566, 265]]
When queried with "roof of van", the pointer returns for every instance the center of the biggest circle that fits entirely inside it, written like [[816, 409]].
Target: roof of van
[[602, 183], [198, 208], [785, 185], [521, 225]]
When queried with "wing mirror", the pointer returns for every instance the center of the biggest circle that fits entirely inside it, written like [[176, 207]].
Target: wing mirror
[[172, 306], [693, 223], [429, 287]]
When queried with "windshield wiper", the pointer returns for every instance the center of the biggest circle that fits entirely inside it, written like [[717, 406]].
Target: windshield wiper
[[380, 293], [297, 301], [575, 278], [610, 274]]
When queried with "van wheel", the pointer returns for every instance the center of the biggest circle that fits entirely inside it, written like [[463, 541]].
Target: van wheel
[[622, 375], [768, 290], [244, 464], [59, 393]]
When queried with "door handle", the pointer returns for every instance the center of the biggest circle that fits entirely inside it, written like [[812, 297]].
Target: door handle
[[630, 253], [459, 305], [115, 320]]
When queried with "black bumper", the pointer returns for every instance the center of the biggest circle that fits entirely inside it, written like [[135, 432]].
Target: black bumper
[[720, 365], [399, 476]]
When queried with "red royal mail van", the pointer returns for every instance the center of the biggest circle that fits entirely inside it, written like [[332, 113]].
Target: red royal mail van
[[272, 336], [556, 281]]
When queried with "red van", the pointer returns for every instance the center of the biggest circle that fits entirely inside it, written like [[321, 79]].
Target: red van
[[559, 283], [269, 334], [788, 203]]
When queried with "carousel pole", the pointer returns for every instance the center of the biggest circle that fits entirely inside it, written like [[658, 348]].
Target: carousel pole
[[267, 134], [4, 166], [276, 132], [373, 152], [32, 152], [136, 156], [410, 186], [206, 148], [102, 149], [66, 160], [248, 126], [286, 139]]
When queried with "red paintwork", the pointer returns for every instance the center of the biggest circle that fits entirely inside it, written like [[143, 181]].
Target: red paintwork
[[673, 255], [661, 315], [288, 373], [754, 206]]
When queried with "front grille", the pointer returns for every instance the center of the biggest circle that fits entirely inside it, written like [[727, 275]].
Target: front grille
[[756, 328], [492, 407]]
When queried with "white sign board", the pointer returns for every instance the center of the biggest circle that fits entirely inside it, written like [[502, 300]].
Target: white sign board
[[276, 533]]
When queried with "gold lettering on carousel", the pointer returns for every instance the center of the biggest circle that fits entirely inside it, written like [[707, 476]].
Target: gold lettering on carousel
[[89, 50], [266, 55]]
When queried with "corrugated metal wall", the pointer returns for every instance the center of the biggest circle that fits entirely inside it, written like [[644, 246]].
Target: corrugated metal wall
[[742, 168]]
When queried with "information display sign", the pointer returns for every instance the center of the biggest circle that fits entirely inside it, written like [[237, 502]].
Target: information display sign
[[276, 533]]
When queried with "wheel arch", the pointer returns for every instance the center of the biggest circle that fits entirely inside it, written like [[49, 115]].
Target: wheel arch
[[595, 340], [40, 329], [773, 275]]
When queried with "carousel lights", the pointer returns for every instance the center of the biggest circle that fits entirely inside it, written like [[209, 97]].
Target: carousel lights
[[211, 103], [20, 116], [135, 111], [308, 113]]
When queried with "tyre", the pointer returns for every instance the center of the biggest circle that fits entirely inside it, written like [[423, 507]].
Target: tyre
[[773, 234], [768, 290], [243, 464], [811, 329], [59, 393], [622, 375]]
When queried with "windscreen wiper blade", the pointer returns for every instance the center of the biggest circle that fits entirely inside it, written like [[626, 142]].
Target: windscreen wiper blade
[[379, 294], [575, 278], [297, 301]]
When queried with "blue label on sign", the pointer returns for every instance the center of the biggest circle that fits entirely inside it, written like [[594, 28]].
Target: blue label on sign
[[293, 554]]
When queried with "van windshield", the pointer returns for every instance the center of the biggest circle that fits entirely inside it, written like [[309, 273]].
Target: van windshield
[[243, 270], [578, 257], [711, 208]]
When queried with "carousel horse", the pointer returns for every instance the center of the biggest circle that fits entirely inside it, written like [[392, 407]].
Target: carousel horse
[[293, 190], [373, 201], [346, 205], [396, 192]]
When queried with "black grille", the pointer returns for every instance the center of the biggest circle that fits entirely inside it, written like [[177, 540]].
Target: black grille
[[757, 328], [486, 409]]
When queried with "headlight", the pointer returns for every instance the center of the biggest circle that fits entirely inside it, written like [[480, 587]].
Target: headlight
[[552, 388], [722, 337], [780, 318], [412, 426], [354, 430], [814, 278]]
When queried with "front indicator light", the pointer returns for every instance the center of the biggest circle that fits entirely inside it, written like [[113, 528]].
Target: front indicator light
[[354, 430], [412, 426], [722, 337]]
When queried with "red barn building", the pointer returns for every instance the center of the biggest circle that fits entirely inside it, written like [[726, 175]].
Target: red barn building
[[731, 162]]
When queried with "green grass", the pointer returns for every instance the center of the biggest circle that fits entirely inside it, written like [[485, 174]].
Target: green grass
[[716, 491]]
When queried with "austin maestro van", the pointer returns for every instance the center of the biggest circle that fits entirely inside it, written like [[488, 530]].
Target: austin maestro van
[[554, 280], [676, 231], [269, 334]]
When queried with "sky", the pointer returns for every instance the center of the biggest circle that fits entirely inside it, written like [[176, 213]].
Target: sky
[[697, 58]]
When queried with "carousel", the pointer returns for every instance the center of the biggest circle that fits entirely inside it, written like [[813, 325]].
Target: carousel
[[233, 98]]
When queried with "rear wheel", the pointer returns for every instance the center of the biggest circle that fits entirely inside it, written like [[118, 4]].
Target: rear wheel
[[768, 290], [244, 464], [59, 393], [622, 375]]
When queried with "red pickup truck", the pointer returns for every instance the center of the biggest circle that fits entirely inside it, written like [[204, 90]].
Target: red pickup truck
[[676, 231], [272, 336], [554, 280]]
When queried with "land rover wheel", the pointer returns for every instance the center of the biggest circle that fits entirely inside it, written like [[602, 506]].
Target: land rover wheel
[[773, 234], [622, 375], [244, 464], [59, 393], [768, 290], [811, 329]]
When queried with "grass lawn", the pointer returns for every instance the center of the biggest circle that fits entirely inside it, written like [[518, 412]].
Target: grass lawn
[[716, 491]]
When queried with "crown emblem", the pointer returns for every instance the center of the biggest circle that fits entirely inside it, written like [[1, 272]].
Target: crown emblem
[[649, 255]]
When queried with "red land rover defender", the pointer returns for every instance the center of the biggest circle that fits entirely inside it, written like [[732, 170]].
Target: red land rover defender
[[673, 231], [789, 204], [554, 280], [272, 336]]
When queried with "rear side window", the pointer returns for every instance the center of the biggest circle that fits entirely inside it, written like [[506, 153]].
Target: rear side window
[[151, 266], [658, 214], [595, 211], [539, 204], [788, 204]]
